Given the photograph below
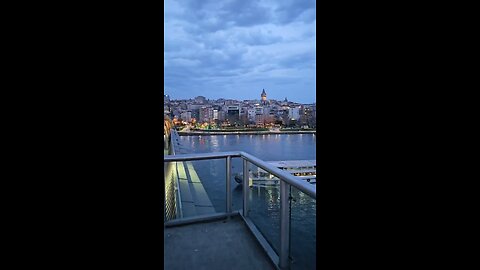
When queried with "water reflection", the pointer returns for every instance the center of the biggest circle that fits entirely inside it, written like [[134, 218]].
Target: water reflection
[[214, 143]]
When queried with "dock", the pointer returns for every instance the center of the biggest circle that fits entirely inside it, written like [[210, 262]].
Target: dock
[[292, 164]]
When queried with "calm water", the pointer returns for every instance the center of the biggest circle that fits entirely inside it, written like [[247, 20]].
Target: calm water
[[264, 202]]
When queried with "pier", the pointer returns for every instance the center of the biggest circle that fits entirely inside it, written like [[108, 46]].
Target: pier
[[206, 133]]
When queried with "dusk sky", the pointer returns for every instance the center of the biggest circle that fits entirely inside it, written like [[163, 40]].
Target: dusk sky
[[234, 49]]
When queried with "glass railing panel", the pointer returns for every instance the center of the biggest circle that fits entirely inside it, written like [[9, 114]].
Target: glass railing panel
[[264, 205], [202, 186], [302, 230]]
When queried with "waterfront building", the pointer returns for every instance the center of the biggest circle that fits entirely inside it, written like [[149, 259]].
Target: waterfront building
[[273, 111], [243, 119], [166, 110], [259, 110], [251, 114], [186, 116], [221, 115], [206, 114], [233, 114], [294, 113], [196, 114], [176, 113], [266, 110], [260, 120]]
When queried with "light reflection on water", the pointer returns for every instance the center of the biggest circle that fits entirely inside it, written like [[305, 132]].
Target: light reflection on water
[[264, 202], [214, 142]]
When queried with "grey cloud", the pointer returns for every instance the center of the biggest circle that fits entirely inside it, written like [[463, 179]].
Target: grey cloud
[[226, 46], [292, 10], [299, 61], [259, 37], [214, 15]]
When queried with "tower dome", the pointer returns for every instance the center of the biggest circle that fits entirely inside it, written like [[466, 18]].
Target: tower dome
[[264, 97]]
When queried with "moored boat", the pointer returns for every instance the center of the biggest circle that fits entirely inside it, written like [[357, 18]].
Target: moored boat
[[303, 169]]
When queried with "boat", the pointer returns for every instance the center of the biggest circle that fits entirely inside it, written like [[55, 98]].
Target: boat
[[304, 169]]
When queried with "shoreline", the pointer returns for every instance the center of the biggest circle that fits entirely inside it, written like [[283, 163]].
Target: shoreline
[[195, 133]]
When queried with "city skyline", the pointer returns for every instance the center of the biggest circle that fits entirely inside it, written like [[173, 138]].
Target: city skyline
[[240, 100], [235, 49]]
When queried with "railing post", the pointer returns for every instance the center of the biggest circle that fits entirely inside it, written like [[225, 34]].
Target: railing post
[[284, 225], [246, 188], [229, 183]]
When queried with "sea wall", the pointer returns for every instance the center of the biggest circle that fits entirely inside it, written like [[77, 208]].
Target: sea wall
[[206, 133]]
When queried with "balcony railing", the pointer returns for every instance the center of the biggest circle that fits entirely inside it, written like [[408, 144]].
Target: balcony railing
[[173, 207], [286, 181]]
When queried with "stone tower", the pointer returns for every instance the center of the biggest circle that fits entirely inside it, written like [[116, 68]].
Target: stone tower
[[264, 96]]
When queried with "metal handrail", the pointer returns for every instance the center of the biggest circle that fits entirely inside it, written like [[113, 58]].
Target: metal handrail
[[199, 156], [295, 181], [306, 188]]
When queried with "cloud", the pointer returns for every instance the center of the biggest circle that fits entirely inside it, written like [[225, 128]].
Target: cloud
[[220, 48]]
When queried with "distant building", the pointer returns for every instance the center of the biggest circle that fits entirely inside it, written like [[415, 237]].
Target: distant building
[[307, 118], [194, 106], [264, 97], [294, 113], [195, 114], [251, 114], [260, 112], [221, 116], [200, 100], [259, 120], [186, 116], [233, 114], [205, 114], [230, 102]]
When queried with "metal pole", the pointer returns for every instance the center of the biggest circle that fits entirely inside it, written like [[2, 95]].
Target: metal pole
[[284, 225], [229, 183], [246, 188]]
